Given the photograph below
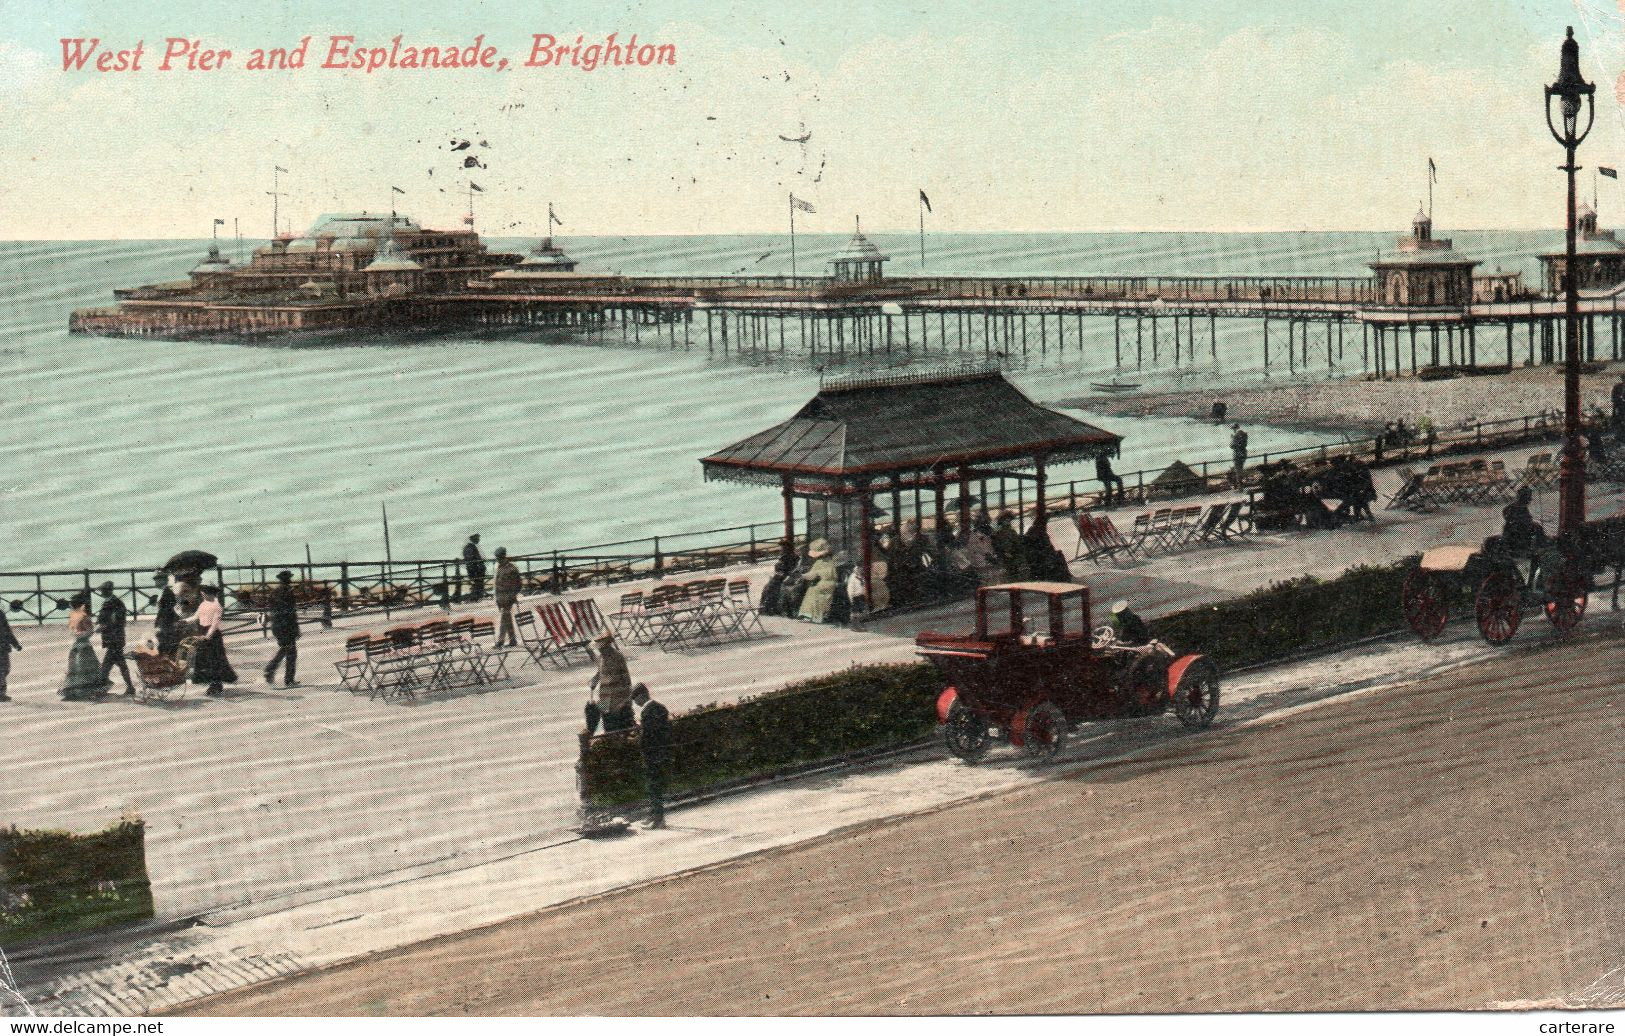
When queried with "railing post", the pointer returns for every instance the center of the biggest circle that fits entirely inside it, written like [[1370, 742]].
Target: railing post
[[558, 575], [660, 564], [344, 586], [753, 543], [39, 600]]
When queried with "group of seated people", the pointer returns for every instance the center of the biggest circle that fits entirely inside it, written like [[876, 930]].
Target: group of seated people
[[908, 567], [1291, 496]]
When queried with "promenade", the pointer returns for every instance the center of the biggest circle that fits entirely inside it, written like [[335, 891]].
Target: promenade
[[303, 827], [273, 793]]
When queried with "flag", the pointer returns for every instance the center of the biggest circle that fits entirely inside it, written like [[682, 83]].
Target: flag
[[219, 222], [475, 187], [1612, 174], [397, 190], [1433, 172], [925, 201], [280, 169], [804, 206], [552, 220]]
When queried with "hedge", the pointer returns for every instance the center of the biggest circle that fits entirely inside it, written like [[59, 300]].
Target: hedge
[[871, 707], [55, 882]]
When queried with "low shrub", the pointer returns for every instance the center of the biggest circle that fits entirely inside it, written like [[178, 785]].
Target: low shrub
[[54, 882], [882, 706]]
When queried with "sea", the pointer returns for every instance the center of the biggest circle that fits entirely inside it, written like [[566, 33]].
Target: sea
[[118, 452]]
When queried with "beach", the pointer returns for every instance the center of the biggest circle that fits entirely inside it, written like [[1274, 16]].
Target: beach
[[1331, 406]]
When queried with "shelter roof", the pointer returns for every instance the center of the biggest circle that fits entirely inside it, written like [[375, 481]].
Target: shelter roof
[[869, 427]]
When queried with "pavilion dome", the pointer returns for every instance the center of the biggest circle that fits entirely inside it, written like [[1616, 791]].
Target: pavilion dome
[[388, 260], [548, 256], [860, 249], [214, 262]]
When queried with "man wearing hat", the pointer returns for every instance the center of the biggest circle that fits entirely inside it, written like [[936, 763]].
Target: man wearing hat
[[284, 618], [506, 590], [1131, 629], [1238, 453], [110, 620], [474, 566], [613, 682]]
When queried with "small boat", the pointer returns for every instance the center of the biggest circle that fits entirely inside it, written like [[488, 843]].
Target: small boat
[[1114, 386]]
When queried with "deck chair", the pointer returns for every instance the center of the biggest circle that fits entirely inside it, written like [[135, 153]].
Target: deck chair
[[1109, 535], [561, 632], [1206, 526], [588, 621], [1410, 494]]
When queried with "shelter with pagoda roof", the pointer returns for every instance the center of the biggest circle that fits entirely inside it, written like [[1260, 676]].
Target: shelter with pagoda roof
[[1599, 257], [859, 262], [1424, 270], [903, 441]]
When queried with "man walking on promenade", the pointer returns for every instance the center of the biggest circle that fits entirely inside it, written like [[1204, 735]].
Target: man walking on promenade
[[613, 682], [474, 567], [1108, 478], [506, 589], [1238, 454], [285, 629], [654, 740], [8, 644], [110, 618]]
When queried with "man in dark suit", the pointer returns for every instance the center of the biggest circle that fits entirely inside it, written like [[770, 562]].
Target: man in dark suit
[[8, 644], [166, 622], [654, 739], [284, 618], [474, 566], [110, 619]]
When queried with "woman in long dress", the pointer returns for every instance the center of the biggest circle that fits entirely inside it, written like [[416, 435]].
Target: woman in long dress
[[820, 581], [209, 664], [84, 680]]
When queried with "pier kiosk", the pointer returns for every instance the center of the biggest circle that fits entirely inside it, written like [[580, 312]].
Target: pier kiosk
[[888, 439]]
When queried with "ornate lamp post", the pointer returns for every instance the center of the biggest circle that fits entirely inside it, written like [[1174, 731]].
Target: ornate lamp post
[[1568, 90]]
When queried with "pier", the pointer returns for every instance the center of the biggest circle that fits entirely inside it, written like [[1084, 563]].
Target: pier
[[1420, 308]]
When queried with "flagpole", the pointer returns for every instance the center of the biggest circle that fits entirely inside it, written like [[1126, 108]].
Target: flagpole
[[792, 240], [389, 559], [922, 233]]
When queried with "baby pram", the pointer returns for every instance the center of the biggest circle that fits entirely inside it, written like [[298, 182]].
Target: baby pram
[[160, 675]]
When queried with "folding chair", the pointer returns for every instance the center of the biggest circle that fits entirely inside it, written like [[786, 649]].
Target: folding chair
[[493, 659], [1409, 495], [631, 620], [1206, 525], [1112, 538], [561, 632], [739, 600], [531, 640], [392, 674], [588, 621], [355, 671]]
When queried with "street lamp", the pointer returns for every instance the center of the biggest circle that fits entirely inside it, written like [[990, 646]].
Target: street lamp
[[1568, 90]]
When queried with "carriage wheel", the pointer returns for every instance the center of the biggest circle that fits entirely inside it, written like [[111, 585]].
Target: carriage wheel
[[1043, 732], [1566, 591], [1196, 699], [965, 733], [1423, 598], [1141, 689], [1499, 606]]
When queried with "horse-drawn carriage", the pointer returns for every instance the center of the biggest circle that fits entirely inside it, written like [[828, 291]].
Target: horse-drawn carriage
[[1043, 672], [1501, 582]]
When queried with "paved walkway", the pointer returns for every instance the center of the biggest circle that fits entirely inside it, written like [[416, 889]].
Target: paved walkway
[[271, 796], [236, 947]]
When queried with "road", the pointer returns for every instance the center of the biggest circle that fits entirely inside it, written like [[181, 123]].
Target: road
[[1451, 844]]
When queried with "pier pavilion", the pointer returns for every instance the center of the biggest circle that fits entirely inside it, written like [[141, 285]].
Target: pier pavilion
[[898, 437]]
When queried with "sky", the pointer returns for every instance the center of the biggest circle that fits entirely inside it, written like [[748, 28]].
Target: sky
[[1090, 115]]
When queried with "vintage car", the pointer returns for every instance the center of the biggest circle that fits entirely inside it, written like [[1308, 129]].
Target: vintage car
[[1032, 670]]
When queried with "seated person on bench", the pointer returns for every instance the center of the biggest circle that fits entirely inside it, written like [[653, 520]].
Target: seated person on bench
[[1519, 530]]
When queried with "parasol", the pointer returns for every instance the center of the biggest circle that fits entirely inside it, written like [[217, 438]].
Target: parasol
[[191, 561]]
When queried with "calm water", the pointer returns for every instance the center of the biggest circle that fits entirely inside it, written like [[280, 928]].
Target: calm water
[[118, 452]]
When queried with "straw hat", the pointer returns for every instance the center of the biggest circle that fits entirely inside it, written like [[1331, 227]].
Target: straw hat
[[819, 548], [1120, 607], [604, 637], [502, 552]]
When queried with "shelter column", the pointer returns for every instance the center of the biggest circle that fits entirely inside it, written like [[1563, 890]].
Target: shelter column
[[866, 551], [1038, 487], [937, 475], [964, 498], [789, 516]]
